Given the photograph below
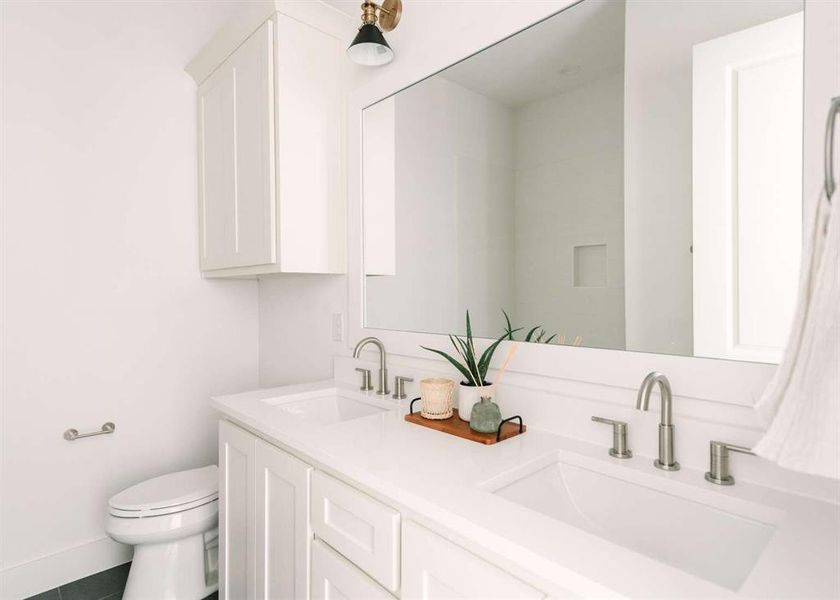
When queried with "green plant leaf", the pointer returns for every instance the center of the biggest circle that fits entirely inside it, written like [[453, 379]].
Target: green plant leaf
[[462, 348], [458, 344], [531, 333], [466, 354], [548, 341], [471, 345], [470, 362], [487, 356], [508, 326], [454, 362]]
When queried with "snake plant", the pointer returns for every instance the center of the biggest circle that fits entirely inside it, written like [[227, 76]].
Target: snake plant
[[469, 364], [536, 334]]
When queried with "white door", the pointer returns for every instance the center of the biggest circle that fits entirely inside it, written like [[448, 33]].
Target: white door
[[237, 540], [747, 185], [334, 577], [283, 533], [236, 158], [434, 568]]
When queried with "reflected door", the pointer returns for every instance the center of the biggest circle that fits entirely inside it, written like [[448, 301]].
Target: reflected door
[[747, 187]]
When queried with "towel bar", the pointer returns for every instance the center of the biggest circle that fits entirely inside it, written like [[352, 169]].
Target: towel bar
[[830, 182], [73, 434]]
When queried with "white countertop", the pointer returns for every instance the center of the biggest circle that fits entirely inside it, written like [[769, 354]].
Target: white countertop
[[442, 481]]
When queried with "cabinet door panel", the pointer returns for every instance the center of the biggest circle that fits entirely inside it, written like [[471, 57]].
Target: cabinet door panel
[[336, 578], [364, 530], [236, 158], [434, 568], [236, 513], [283, 534]]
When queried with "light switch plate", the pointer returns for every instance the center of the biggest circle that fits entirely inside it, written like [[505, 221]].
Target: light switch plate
[[338, 327]]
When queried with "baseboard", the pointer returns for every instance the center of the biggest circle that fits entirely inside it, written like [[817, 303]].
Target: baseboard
[[45, 573]]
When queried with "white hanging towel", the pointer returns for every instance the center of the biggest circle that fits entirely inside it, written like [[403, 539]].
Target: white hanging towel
[[802, 401]]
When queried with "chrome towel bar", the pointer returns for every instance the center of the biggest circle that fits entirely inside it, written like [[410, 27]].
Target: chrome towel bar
[[830, 182], [73, 434]]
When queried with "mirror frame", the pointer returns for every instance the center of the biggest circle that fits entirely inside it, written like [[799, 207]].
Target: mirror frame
[[696, 381]]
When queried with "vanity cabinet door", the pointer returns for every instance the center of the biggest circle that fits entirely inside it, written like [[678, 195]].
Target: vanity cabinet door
[[236, 158], [283, 534], [237, 540], [434, 568], [333, 577], [361, 528]]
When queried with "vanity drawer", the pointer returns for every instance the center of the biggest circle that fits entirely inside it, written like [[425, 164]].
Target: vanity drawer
[[362, 529], [333, 576], [433, 567]]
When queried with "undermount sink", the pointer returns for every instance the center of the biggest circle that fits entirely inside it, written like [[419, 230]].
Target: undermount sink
[[324, 407], [714, 537]]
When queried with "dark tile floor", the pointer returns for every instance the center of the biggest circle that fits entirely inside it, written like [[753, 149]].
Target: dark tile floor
[[107, 585]]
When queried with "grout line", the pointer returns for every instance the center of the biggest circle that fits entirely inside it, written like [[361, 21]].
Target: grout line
[[58, 591]]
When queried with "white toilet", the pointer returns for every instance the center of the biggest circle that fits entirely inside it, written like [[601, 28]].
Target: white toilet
[[172, 522]]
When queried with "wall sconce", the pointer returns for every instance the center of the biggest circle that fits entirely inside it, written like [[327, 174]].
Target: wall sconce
[[369, 47]]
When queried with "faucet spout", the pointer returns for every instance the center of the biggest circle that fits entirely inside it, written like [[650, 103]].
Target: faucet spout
[[666, 459], [643, 398], [382, 390]]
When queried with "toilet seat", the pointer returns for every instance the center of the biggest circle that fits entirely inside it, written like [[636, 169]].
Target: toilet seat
[[167, 494]]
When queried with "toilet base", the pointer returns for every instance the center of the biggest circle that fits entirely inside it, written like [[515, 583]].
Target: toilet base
[[172, 571]]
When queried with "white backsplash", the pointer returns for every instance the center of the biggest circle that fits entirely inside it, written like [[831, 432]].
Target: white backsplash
[[565, 407]]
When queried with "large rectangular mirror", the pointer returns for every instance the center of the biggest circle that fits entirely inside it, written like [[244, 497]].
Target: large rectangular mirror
[[622, 175]]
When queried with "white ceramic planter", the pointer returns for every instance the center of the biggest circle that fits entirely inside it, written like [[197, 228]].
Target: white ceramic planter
[[468, 396]]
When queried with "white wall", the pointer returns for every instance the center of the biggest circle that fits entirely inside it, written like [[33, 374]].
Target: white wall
[[296, 333], [658, 45], [569, 192], [105, 316]]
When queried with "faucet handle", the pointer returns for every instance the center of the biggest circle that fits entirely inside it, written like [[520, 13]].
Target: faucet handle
[[366, 382], [619, 448], [399, 385], [719, 462]]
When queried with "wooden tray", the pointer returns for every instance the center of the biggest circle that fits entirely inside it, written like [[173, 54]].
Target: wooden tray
[[455, 426]]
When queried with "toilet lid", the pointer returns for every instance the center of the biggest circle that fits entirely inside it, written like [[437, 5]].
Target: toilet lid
[[167, 494]]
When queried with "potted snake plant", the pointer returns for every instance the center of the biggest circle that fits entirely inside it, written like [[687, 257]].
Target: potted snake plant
[[473, 369]]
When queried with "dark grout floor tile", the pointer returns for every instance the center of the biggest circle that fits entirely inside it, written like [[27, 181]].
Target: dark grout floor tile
[[48, 595], [213, 596], [97, 586], [117, 596]]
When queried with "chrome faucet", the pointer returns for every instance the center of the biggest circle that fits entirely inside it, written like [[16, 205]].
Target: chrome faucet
[[382, 388], [666, 460]]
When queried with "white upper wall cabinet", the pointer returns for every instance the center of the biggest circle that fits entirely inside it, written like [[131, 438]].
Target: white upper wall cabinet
[[270, 142], [236, 162]]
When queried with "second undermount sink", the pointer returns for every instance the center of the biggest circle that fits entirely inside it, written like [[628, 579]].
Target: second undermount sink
[[323, 407], [719, 539]]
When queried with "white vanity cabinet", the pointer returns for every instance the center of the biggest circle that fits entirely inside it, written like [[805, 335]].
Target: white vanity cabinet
[[263, 519], [433, 568], [288, 531], [270, 135]]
